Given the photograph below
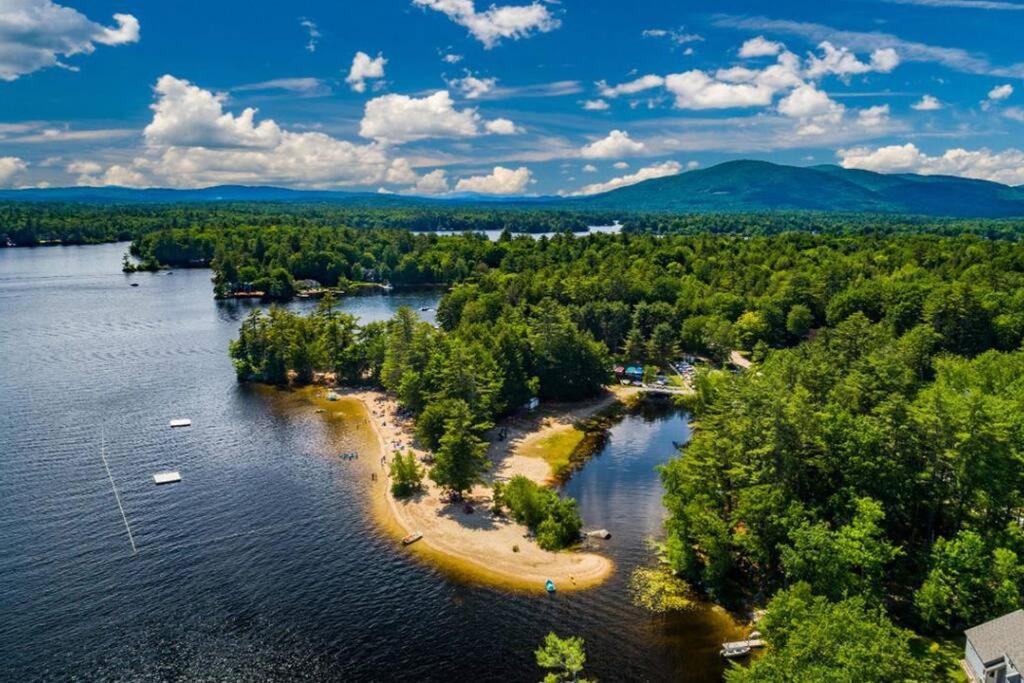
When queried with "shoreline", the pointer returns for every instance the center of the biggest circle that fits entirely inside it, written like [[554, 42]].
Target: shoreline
[[478, 547]]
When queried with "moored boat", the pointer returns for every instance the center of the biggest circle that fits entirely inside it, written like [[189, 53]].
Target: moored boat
[[549, 586], [412, 538], [733, 651]]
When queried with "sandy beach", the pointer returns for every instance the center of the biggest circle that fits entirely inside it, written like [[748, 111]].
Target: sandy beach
[[479, 546]]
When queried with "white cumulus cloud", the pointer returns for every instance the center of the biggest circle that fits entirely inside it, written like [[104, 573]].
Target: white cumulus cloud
[[616, 144], [36, 34], [648, 172], [840, 61], [1006, 166], [472, 87], [502, 127], [873, 117], [92, 174], [193, 142], [997, 95], [435, 182], [596, 105], [697, 90], [760, 47], [495, 23], [396, 119], [501, 180], [927, 103], [1000, 92], [631, 87], [10, 167], [365, 68], [816, 111], [187, 115]]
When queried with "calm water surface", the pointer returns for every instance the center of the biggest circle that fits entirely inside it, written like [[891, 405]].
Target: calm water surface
[[494, 235], [262, 563]]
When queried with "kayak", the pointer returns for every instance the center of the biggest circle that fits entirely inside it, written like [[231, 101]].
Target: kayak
[[549, 586]]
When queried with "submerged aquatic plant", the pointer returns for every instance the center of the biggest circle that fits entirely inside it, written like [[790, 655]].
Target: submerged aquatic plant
[[659, 590]]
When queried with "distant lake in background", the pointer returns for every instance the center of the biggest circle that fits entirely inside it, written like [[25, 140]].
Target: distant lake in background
[[262, 563], [494, 235]]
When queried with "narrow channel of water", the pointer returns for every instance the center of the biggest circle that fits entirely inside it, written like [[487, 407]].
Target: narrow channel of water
[[261, 564]]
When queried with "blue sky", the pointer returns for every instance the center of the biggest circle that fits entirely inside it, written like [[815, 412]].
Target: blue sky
[[435, 96]]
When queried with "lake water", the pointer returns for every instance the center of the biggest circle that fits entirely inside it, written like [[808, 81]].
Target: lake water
[[494, 235], [262, 563]]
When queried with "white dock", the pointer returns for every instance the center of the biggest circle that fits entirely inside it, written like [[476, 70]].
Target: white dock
[[749, 643], [166, 478], [181, 423]]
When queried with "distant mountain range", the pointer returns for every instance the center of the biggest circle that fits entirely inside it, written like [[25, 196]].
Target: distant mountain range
[[731, 187], [755, 186]]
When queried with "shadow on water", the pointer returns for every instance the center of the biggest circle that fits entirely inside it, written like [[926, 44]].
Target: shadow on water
[[261, 563]]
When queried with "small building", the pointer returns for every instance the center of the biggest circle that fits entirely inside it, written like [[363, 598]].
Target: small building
[[619, 371], [634, 373], [994, 652]]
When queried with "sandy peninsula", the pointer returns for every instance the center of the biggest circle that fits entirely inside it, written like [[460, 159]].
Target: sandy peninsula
[[480, 546]]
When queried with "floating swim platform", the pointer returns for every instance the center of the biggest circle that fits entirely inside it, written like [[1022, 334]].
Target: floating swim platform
[[412, 538], [166, 478], [183, 422]]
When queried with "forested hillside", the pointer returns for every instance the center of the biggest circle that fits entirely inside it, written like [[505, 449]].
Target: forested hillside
[[755, 186]]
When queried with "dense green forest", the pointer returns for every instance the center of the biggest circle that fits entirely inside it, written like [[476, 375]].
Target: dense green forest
[[31, 223], [872, 461], [820, 222], [271, 259], [710, 293]]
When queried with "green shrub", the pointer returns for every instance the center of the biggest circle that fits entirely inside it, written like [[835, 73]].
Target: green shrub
[[406, 475], [555, 520]]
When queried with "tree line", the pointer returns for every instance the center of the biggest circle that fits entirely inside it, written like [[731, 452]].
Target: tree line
[[34, 223], [29, 223]]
